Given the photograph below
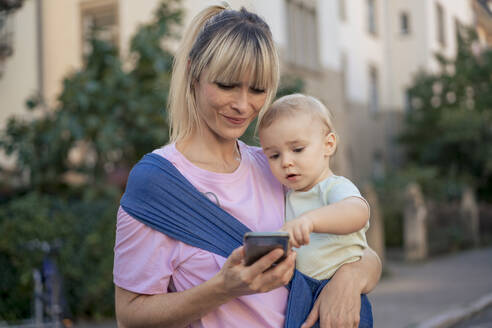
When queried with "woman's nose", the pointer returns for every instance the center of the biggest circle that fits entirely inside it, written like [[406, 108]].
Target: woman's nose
[[241, 102]]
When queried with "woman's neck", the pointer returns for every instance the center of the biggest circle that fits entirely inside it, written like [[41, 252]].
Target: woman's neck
[[211, 154]]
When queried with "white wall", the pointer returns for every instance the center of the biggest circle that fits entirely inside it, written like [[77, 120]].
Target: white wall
[[62, 42], [460, 9], [19, 80], [407, 53], [132, 14], [361, 49], [329, 34]]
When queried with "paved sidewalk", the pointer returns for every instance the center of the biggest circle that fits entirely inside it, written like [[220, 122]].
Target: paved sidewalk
[[415, 293]]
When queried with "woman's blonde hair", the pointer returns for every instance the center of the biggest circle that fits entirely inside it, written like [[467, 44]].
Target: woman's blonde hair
[[294, 104], [229, 44]]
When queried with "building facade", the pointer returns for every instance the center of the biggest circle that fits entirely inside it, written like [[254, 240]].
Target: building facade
[[357, 56]]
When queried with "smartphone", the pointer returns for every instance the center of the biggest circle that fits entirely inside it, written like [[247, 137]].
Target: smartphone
[[258, 244]]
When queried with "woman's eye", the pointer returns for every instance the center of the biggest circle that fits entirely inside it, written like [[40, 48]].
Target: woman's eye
[[224, 86], [298, 150], [257, 90]]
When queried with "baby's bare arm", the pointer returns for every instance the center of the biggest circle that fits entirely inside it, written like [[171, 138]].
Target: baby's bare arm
[[346, 216]]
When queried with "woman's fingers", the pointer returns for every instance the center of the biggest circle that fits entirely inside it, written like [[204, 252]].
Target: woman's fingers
[[260, 276], [312, 317], [265, 262], [236, 256], [275, 276], [339, 304]]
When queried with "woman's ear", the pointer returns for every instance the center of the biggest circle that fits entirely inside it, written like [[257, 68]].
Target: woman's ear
[[330, 144]]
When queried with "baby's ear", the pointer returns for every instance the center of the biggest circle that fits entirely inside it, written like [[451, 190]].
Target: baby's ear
[[330, 144]]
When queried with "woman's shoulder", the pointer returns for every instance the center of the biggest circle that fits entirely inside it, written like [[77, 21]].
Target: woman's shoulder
[[259, 165], [167, 151], [255, 153]]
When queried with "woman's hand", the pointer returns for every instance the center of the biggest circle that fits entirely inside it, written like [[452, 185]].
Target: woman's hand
[[260, 277], [338, 304], [183, 308]]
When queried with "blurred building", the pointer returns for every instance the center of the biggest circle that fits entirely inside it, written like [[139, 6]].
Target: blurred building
[[483, 19], [358, 56]]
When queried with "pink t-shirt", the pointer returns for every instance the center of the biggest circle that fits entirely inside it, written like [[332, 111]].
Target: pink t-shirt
[[146, 259]]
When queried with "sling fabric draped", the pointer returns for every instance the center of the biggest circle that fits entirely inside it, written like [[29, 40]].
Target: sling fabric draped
[[158, 195]]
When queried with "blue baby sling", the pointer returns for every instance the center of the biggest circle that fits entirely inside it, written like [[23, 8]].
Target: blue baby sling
[[158, 195]]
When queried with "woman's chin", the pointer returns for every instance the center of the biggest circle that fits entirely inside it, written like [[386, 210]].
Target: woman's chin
[[233, 134]]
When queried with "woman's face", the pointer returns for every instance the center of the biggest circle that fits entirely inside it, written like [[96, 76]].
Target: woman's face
[[226, 109]]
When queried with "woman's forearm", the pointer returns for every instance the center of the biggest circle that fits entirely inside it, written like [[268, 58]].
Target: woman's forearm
[[167, 310], [182, 308], [338, 304], [366, 271]]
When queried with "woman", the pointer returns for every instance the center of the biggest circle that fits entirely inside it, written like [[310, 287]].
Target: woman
[[225, 75]]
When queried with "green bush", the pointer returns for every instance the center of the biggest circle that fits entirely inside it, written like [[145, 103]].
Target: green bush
[[447, 141], [117, 115], [391, 193], [83, 225], [448, 124]]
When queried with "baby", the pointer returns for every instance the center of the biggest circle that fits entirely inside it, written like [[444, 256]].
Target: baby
[[326, 216]]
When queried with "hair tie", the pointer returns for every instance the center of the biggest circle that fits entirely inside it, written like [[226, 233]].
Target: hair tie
[[226, 5]]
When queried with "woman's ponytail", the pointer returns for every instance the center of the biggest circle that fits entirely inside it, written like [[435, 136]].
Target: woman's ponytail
[[180, 93]]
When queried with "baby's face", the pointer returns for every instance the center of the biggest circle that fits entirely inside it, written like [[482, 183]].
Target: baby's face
[[298, 149]]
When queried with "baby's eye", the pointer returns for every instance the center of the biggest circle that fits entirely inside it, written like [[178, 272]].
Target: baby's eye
[[273, 156], [298, 149]]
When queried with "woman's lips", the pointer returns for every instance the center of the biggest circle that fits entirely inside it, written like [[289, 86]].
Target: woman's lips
[[235, 120]]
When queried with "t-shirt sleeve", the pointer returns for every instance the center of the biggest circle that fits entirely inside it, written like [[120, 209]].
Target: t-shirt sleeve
[[144, 259], [340, 189]]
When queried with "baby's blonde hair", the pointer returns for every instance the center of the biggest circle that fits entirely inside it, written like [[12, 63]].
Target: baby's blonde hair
[[294, 104], [229, 44]]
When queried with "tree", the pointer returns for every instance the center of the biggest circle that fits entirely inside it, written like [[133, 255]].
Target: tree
[[108, 115], [449, 126]]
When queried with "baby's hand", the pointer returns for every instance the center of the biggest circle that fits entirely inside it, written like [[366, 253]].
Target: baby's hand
[[299, 230]]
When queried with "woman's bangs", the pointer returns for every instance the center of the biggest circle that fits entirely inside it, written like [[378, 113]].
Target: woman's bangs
[[232, 62]]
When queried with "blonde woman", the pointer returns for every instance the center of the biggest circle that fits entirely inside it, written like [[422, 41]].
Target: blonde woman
[[177, 267]]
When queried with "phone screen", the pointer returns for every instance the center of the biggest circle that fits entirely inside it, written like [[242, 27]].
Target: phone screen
[[258, 244]]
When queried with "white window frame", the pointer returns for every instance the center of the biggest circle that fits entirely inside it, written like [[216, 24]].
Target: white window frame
[[302, 34]]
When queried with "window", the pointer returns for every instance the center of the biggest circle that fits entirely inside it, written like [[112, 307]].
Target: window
[[371, 17], [6, 38], [377, 165], [101, 19], [302, 34], [373, 90], [459, 28], [344, 68], [441, 35], [404, 23], [342, 10], [407, 103]]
